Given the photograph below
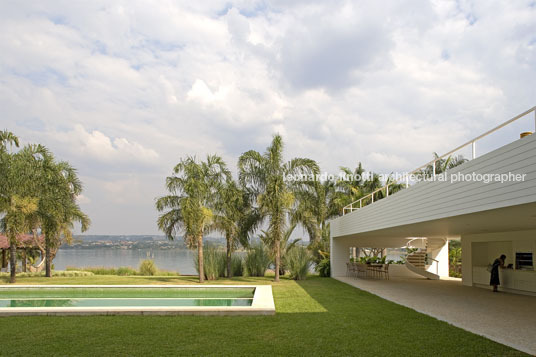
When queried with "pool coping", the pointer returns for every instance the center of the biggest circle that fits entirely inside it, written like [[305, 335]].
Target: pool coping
[[263, 303]]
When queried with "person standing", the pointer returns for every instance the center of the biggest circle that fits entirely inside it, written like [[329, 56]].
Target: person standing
[[494, 279]]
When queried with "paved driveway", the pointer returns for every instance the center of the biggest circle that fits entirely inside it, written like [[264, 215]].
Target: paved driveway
[[509, 319]]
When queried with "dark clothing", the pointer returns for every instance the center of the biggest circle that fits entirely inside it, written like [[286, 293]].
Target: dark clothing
[[494, 280]]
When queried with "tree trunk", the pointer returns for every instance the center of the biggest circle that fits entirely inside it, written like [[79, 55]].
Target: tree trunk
[[229, 273], [277, 259], [24, 263], [200, 258], [48, 265], [4, 258], [13, 262]]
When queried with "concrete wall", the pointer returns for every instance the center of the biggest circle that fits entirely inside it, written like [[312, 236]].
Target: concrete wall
[[426, 201]]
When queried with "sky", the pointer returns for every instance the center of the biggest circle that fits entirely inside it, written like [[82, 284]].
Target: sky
[[124, 89]]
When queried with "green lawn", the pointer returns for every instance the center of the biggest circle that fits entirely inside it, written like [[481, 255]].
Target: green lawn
[[316, 317]]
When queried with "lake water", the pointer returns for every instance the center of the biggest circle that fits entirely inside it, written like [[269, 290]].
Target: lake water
[[172, 260]]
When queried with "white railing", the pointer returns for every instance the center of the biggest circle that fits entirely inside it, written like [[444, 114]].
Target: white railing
[[370, 197]]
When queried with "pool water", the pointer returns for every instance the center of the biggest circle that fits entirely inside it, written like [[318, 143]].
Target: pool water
[[124, 297], [112, 302]]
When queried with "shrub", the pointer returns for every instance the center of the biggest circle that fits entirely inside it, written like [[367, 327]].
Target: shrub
[[237, 265], [70, 273], [257, 260], [213, 262], [147, 267], [63, 273], [324, 268], [123, 271], [168, 273], [299, 262]]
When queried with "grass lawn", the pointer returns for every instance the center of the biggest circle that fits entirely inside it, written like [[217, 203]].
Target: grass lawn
[[316, 317]]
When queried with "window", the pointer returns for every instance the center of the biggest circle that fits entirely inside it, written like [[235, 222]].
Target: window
[[524, 261]]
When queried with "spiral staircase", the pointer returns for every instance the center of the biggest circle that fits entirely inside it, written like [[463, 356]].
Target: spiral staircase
[[417, 261]]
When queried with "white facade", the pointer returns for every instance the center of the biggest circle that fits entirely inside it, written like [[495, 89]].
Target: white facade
[[472, 211]]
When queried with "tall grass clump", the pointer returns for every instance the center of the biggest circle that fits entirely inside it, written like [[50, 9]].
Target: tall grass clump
[[298, 262], [213, 262], [237, 265], [148, 267], [257, 260]]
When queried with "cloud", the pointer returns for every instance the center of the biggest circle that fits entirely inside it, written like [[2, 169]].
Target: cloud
[[123, 89], [332, 49], [82, 199], [100, 147]]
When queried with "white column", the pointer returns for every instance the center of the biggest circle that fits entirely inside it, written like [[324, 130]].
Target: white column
[[339, 256], [443, 258], [467, 264]]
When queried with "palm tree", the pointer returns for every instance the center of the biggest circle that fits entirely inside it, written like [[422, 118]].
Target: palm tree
[[264, 174], [360, 185], [57, 186], [232, 206], [17, 203], [442, 165], [32, 177], [14, 223], [317, 202], [352, 185], [7, 137], [285, 245], [189, 207]]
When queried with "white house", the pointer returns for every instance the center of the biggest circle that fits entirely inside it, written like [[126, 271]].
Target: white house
[[489, 203]]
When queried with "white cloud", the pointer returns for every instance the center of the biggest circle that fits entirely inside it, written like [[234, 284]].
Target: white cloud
[[124, 89], [82, 199], [100, 147]]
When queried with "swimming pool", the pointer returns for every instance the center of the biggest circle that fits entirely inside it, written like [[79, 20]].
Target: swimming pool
[[138, 299]]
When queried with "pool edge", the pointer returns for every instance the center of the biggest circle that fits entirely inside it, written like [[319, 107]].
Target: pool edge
[[263, 303]]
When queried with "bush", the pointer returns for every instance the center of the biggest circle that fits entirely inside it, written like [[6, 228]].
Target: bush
[[64, 273], [237, 265], [168, 273], [123, 271], [324, 268], [257, 260], [69, 273], [147, 267], [298, 263], [213, 262]]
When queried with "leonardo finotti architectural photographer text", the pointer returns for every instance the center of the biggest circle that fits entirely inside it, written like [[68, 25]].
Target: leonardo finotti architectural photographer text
[[417, 177]]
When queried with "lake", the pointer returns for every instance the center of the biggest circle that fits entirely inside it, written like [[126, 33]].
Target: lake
[[172, 260]]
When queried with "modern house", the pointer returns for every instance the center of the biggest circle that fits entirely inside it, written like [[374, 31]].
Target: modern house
[[489, 203]]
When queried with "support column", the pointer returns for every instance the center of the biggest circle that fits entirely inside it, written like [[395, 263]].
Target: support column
[[443, 260], [339, 256], [4, 259], [467, 264]]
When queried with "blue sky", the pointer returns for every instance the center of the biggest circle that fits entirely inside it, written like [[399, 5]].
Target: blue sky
[[123, 89]]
